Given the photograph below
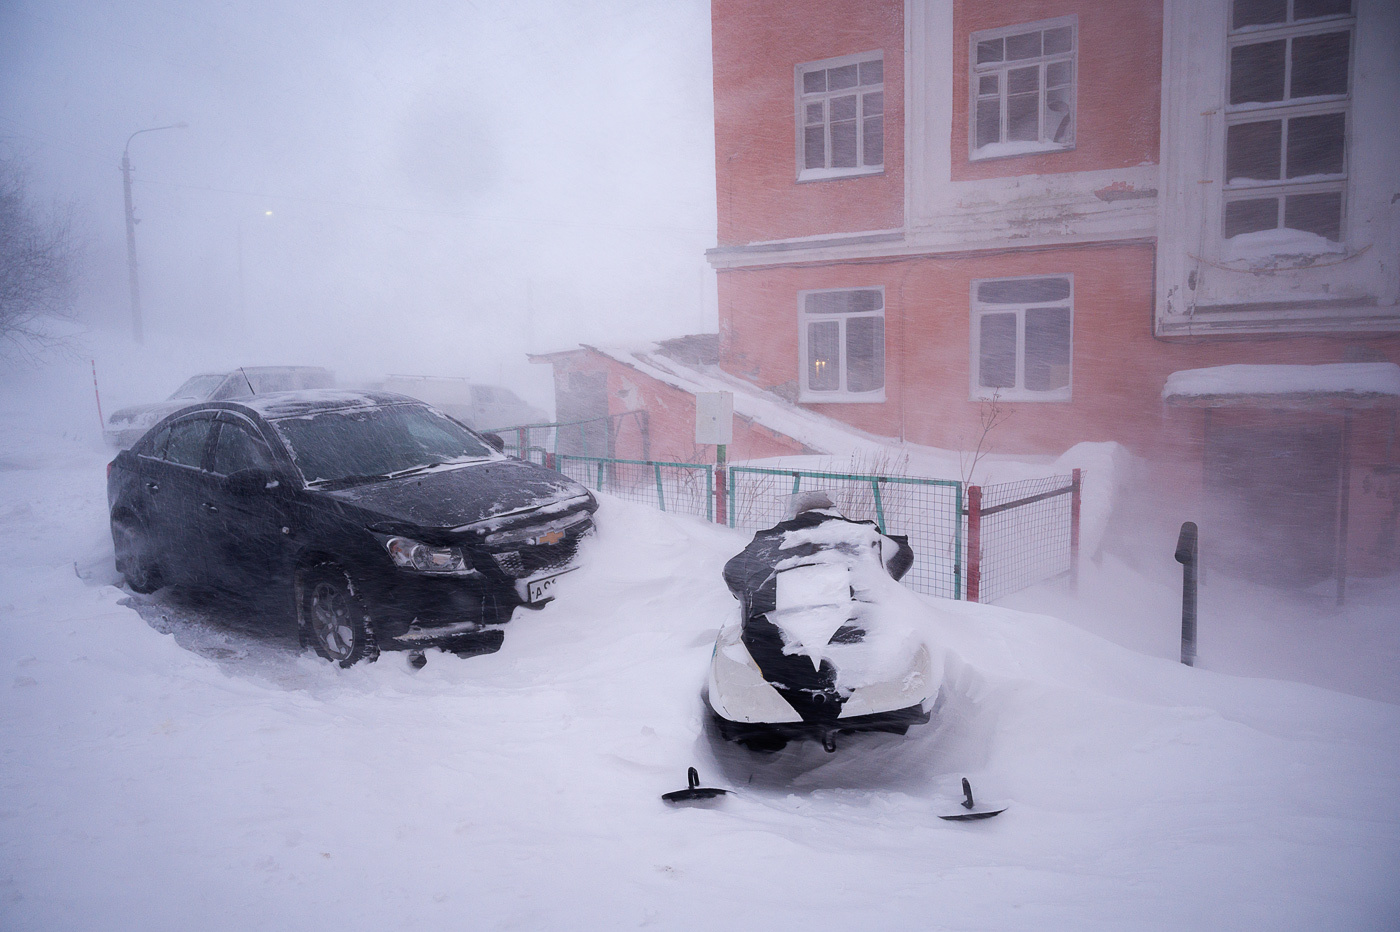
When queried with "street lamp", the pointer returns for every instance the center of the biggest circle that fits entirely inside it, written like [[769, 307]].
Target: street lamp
[[131, 227]]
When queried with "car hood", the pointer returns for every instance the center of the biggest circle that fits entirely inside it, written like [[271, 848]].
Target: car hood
[[452, 498], [145, 415]]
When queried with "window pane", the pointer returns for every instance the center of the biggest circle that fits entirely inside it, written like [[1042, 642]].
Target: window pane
[[1316, 145], [988, 121], [1023, 291], [872, 72], [1047, 348], [1058, 73], [874, 141], [814, 147], [187, 440], [843, 108], [236, 449], [987, 84], [873, 103], [814, 82], [1059, 121], [843, 77], [988, 51], [1311, 9], [1315, 213], [855, 301], [823, 356], [1023, 80], [865, 354], [1059, 40], [1023, 118], [1026, 45], [1254, 150], [814, 114], [1251, 216], [1257, 12], [996, 351], [1256, 72], [1320, 64], [843, 144]]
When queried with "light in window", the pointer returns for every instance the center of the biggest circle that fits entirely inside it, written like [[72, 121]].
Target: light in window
[[844, 336]]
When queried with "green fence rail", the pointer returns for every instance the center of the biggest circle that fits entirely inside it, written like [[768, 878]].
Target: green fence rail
[[679, 488], [929, 511]]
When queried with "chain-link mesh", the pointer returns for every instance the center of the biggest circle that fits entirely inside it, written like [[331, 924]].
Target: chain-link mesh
[[928, 510], [1026, 534], [679, 488]]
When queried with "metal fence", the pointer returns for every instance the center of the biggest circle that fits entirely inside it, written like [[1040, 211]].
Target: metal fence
[[680, 488], [597, 437], [1022, 533], [929, 511]]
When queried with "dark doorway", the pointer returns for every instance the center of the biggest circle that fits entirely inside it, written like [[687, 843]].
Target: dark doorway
[[1271, 489]]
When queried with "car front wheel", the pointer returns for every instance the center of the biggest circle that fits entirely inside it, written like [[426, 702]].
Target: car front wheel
[[334, 620]]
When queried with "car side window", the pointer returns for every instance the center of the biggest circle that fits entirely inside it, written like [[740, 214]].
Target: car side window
[[237, 448], [187, 441], [155, 447]]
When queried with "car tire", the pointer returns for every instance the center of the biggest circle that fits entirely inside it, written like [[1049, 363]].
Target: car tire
[[333, 618], [132, 547]]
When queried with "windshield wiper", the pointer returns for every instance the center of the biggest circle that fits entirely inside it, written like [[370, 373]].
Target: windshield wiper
[[341, 482]]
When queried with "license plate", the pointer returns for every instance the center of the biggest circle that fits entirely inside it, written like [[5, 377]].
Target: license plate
[[541, 589]]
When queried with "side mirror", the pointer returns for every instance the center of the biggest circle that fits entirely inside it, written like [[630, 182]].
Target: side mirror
[[496, 440], [249, 482]]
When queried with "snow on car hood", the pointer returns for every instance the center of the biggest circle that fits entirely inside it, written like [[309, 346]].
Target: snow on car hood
[[147, 414], [471, 493]]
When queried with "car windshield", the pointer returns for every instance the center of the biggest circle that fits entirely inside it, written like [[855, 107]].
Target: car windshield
[[198, 388], [364, 444]]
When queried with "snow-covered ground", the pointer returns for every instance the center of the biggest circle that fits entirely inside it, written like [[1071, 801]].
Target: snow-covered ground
[[173, 766]]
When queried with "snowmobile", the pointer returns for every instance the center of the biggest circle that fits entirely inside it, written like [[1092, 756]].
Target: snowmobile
[[819, 649]]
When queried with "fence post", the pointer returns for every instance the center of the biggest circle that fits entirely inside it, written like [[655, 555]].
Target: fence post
[[550, 459], [660, 495], [721, 486], [974, 543], [522, 442], [1074, 534]]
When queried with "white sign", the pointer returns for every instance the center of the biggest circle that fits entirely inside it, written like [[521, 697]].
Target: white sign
[[714, 417]]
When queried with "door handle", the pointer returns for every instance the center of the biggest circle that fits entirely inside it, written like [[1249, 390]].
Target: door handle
[[152, 485], [211, 508]]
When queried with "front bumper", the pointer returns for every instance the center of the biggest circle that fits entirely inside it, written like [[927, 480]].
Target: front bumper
[[894, 722]]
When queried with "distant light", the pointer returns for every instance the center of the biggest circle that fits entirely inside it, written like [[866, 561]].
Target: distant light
[[267, 213]]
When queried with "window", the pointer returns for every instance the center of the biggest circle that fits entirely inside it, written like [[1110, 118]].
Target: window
[[841, 117], [842, 340], [188, 438], [1022, 336], [237, 448], [1022, 89], [1286, 119]]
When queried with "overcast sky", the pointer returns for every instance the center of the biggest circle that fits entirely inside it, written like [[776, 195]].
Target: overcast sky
[[403, 179]]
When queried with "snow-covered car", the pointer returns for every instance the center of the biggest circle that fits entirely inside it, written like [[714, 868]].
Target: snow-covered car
[[126, 425], [481, 407], [378, 520]]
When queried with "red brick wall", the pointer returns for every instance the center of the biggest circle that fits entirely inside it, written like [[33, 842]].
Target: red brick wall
[[757, 45], [1119, 93]]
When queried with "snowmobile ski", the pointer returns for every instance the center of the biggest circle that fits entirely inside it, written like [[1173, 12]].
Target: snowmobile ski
[[973, 813], [694, 791]]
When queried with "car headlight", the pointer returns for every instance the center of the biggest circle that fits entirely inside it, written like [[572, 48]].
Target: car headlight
[[423, 558]]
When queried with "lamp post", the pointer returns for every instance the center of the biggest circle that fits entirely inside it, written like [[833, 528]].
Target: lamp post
[[131, 227]]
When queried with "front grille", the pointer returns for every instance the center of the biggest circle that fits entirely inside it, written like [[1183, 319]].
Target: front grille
[[535, 559]]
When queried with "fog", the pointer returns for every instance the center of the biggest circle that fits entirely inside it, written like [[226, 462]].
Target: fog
[[427, 187]]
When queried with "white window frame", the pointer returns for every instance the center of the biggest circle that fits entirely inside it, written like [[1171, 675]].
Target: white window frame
[[1005, 148], [824, 98], [1285, 110], [980, 392], [841, 395]]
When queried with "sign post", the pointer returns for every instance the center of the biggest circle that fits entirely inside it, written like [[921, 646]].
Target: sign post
[[714, 424]]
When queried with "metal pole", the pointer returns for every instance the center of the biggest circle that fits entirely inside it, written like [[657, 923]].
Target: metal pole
[[1074, 500], [1186, 555], [131, 248], [721, 506], [1344, 507]]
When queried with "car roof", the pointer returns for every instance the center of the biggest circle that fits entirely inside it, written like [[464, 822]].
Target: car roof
[[308, 401]]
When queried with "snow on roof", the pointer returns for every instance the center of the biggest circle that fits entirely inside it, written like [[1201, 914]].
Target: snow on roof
[[1345, 384]]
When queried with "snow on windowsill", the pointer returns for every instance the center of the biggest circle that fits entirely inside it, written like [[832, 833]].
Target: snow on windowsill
[[1001, 150], [1281, 243]]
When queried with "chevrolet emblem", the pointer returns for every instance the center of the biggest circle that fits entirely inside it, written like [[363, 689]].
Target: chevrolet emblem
[[550, 537]]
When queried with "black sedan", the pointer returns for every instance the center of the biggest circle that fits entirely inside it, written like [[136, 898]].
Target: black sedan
[[380, 521]]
